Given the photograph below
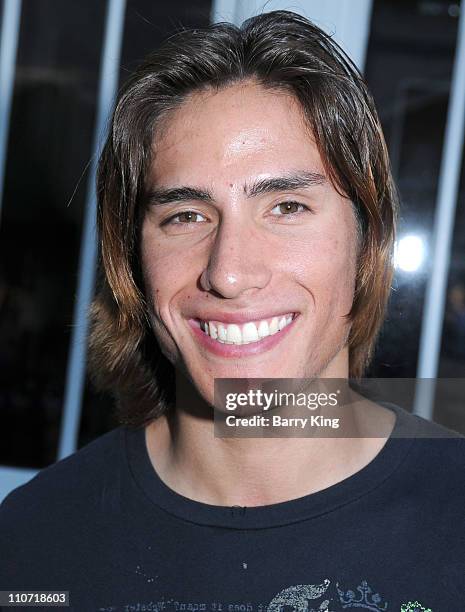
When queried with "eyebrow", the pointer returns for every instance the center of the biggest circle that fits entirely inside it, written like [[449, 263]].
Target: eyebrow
[[288, 182]]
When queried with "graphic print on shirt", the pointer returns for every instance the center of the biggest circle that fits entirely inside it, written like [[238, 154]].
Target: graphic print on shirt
[[296, 598], [365, 598], [414, 606], [299, 597]]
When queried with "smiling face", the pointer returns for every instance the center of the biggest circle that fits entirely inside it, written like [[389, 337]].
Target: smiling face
[[248, 251]]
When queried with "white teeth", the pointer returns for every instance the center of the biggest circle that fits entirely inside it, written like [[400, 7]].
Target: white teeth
[[222, 333], [247, 333], [274, 325], [213, 331], [234, 334], [263, 329]]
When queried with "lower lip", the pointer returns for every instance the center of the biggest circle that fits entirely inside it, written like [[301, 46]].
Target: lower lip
[[239, 350]]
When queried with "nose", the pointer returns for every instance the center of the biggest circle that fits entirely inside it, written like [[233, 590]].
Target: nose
[[237, 261]]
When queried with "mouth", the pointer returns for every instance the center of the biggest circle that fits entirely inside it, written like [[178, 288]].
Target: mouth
[[249, 332], [248, 338]]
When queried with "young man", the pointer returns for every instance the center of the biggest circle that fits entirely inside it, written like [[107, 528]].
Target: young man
[[246, 216]]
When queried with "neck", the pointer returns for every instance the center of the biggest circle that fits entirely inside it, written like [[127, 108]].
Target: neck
[[246, 472], [259, 471]]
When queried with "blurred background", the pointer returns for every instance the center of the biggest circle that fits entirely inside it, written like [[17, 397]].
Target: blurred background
[[61, 62]]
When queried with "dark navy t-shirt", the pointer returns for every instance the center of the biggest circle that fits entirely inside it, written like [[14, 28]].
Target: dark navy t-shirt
[[103, 526]]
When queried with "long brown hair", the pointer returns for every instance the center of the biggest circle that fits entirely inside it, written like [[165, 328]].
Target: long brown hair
[[281, 51]]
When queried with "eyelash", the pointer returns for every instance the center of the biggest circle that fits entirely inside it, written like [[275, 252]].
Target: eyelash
[[170, 220]]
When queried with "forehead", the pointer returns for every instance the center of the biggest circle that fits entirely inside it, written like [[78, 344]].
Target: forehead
[[238, 132]]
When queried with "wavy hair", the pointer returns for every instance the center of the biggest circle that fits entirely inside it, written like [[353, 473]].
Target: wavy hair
[[281, 51]]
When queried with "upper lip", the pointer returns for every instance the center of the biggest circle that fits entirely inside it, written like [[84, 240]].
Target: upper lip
[[242, 317]]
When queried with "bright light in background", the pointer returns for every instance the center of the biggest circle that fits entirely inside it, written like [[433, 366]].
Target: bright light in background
[[409, 253]]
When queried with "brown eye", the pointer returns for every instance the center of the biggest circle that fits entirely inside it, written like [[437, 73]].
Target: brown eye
[[188, 216], [289, 208]]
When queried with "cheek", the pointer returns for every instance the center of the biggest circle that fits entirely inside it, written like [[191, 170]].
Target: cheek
[[340, 278], [325, 266], [157, 280], [165, 276]]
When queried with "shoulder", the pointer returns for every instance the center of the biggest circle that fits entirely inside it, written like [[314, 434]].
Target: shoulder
[[50, 526], [441, 452], [65, 485], [437, 465], [435, 461], [409, 425]]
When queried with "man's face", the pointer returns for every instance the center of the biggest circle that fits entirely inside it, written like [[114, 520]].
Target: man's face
[[246, 233]]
